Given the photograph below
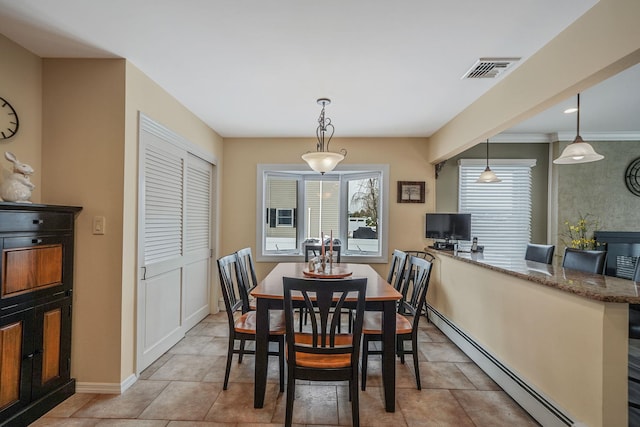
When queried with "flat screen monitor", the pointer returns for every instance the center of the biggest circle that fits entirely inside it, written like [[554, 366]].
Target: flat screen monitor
[[448, 226]]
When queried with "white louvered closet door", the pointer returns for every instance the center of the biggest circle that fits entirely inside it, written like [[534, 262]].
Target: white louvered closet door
[[197, 242], [174, 242]]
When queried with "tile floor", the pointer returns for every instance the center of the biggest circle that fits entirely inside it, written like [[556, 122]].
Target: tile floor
[[184, 389]]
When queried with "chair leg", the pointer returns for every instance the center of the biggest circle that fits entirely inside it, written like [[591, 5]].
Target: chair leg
[[291, 391], [365, 356], [416, 367], [241, 353], [400, 349], [355, 404], [281, 361], [228, 368]]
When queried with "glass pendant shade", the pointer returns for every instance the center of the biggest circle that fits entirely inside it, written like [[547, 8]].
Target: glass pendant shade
[[322, 161], [578, 151], [488, 176]]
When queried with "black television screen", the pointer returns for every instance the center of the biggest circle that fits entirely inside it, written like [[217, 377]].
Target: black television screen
[[448, 226]]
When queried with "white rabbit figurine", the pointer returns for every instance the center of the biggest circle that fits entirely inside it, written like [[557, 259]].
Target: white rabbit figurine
[[17, 186]]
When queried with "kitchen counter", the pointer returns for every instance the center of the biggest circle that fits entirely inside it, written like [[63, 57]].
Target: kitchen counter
[[592, 286]]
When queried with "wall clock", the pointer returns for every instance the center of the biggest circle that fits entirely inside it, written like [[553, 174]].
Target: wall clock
[[8, 120], [632, 177]]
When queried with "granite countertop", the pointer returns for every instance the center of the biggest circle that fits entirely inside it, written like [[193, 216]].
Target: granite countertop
[[592, 286]]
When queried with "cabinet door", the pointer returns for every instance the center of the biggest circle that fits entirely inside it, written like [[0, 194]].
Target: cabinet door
[[52, 342], [16, 361]]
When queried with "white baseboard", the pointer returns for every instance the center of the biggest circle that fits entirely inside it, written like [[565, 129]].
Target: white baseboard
[[105, 388], [539, 406]]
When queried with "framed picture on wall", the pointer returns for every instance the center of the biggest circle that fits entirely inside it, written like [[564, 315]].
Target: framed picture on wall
[[410, 191]]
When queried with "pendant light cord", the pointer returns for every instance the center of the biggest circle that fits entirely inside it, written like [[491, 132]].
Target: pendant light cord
[[578, 117], [487, 153]]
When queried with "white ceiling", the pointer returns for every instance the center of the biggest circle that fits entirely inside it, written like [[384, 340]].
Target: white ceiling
[[256, 67]]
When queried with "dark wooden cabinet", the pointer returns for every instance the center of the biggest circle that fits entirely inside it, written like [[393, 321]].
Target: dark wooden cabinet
[[36, 285]]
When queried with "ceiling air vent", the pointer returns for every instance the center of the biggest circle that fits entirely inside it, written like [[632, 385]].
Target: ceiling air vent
[[489, 68]]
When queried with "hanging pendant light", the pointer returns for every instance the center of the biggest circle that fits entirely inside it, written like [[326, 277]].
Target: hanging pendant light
[[488, 176], [578, 151], [323, 160]]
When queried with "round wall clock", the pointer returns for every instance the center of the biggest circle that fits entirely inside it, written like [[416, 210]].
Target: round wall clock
[[8, 120], [632, 177]]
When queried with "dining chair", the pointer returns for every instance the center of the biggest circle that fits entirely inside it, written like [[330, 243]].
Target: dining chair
[[421, 254], [539, 253], [415, 291], [323, 353], [249, 278], [243, 328], [396, 268], [585, 261]]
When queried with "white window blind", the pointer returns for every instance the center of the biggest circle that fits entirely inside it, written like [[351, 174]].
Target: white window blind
[[500, 212]]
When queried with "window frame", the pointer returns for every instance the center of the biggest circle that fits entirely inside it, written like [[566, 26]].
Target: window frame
[[288, 217], [301, 173]]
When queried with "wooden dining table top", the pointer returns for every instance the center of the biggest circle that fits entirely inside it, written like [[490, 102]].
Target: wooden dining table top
[[377, 287]]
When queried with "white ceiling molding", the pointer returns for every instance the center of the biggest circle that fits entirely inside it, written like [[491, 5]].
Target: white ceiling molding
[[542, 138]]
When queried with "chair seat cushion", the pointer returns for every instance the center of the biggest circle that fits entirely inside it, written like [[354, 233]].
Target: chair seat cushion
[[247, 323], [323, 361], [372, 323]]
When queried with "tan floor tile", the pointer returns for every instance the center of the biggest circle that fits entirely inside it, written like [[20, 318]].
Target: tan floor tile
[[69, 406], [405, 376], [236, 405], [132, 423], [443, 375], [372, 410], [184, 367], [431, 408], [210, 329], [65, 422], [443, 352], [493, 409], [151, 369], [216, 347], [199, 424], [314, 404], [183, 401], [191, 344], [129, 404], [477, 376]]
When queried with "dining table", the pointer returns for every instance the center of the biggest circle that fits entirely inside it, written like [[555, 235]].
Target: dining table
[[380, 296]]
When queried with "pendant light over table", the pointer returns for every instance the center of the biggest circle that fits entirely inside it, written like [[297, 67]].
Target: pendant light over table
[[578, 151], [323, 160], [488, 176]]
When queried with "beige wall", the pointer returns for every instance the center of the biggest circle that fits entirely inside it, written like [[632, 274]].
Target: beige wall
[[90, 147], [603, 42], [406, 159], [21, 86], [570, 348], [83, 145]]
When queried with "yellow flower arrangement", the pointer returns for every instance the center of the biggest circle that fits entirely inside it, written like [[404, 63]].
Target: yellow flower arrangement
[[580, 234]]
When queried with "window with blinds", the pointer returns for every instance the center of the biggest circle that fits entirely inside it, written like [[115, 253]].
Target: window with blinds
[[500, 212]]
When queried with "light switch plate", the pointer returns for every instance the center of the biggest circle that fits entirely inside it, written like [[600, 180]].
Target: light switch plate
[[99, 224]]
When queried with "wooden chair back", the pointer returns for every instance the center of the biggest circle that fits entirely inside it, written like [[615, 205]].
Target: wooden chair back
[[397, 269], [414, 290], [324, 300]]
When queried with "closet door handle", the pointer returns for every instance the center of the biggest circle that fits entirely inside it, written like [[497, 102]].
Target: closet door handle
[[36, 241], [38, 221]]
